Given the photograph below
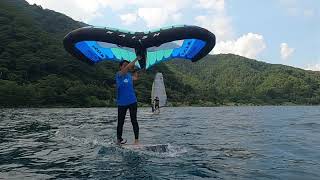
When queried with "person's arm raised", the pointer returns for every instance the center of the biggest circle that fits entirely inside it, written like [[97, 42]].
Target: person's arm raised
[[129, 66]]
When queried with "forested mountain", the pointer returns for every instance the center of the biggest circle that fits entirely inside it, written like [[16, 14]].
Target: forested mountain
[[234, 79], [36, 71]]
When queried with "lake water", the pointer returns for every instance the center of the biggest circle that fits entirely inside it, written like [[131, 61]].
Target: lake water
[[195, 143]]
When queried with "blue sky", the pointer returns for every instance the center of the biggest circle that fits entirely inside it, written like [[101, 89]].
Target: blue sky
[[275, 31]]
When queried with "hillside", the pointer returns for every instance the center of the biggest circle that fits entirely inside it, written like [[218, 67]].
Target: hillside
[[35, 71], [234, 79]]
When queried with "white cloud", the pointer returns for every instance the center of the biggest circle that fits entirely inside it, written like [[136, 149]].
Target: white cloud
[[296, 8], [156, 13], [154, 17], [312, 67], [85, 10], [215, 19], [308, 12], [249, 45], [171, 6], [218, 22], [129, 18], [285, 51], [296, 11], [177, 16], [217, 5], [220, 25]]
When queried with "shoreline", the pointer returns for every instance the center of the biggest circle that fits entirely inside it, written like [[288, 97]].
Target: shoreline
[[144, 106]]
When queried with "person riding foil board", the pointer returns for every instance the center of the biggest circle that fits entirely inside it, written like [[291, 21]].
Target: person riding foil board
[[126, 99]]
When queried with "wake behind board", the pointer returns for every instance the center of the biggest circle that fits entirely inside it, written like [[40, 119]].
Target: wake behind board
[[148, 113], [159, 148]]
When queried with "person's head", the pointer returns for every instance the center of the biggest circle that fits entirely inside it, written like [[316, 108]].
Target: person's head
[[123, 64], [157, 97]]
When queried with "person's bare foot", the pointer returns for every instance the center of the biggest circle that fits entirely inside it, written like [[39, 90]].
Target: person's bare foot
[[121, 141], [136, 142]]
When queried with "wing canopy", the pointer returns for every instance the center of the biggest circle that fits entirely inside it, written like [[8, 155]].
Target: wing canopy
[[93, 45]]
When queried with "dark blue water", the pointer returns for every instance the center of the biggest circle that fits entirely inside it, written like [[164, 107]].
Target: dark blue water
[[196, 143]]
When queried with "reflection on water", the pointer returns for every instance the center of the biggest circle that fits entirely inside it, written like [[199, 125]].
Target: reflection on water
[[179, 143]]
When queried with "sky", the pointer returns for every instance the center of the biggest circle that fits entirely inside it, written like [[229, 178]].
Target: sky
[[274, 31]]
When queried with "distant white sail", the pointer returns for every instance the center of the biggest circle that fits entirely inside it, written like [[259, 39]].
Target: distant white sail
[[159, 90]]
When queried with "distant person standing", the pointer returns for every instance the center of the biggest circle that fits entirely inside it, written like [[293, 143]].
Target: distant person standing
[[156, 104], [126, 99]]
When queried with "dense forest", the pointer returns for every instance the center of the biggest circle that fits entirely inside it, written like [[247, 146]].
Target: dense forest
[[36, 71], [232, 79]]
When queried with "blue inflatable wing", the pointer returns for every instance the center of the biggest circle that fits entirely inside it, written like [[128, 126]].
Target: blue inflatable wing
[[96, 51], [184, 49], [93, 45]]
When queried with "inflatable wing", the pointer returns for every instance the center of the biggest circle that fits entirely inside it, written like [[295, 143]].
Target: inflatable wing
[[93, 44]]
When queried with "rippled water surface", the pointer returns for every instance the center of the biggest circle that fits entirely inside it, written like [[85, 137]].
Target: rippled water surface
[[180, 143]]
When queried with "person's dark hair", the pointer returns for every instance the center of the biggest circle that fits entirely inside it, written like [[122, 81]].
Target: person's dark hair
[[123, 61]]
